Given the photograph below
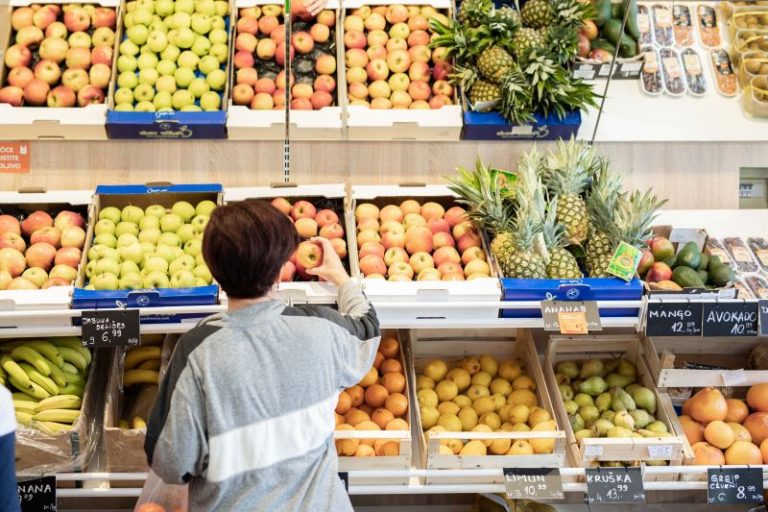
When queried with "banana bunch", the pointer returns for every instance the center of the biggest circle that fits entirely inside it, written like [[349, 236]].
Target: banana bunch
[[47, 378], [142, 366], [136, 422]]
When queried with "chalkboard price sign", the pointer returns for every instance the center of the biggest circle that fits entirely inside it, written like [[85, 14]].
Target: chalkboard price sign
[[674, 319], [533, 483], [762, 307], [615, 485], [111, 328], [734, 485], [730, 319], [37, 494], [570, 317]]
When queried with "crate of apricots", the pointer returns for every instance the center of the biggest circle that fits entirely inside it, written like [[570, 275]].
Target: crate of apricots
[[373, 417], [484, 411]]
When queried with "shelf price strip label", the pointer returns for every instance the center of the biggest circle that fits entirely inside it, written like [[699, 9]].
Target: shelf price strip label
[[734, 485], [533, 483], [762, 307], [674, 319], [730, 319], [614, 485], [570, 317], [112, 328], [37, 494]]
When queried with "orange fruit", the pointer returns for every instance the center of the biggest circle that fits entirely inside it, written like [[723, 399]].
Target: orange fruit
[[707, 455], [764, 450], [389, 347], [356, 394], [719, 434], [344, 403], [397, 403], [708, 405], [742, 452], [757, 397], [376, 395], [394, 382], [757, 424], [693, 430], [381, 417], [737, 411]]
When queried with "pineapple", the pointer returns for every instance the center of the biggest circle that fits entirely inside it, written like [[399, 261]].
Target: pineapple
[[527, 40], [562, 264], [473, 13], [494, 63], [601, 203], [537, 13], [484, 96], [519, 260], [572, 13]]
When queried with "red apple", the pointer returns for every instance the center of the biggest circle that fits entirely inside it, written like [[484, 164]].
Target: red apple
[[36, 220], [287, 272], [303, 209], [282, 204], [77, 20], [373, 248], [471, 239], [20, 77], [90, 94], [249, 25], [12, 261], [355, 39], [73, 236], [41, 255], [471, 254], [68, 256], [48, 235], [22, 17], [461, 229], [421, 261], [303, 42], [104, 17], [661, 248], [309, 255], [418, 239], [242, 94], [17, 55], [66, 218], [325, 83], [393, 239], [320, 33], [12, 95], [438, 225], [9, 224], [21, 283], [340, 246], [248, 76], [306, 227], [394, 254], [265, 85], [455, 215], [372, 264], [442, 239], [55, 281], [446, 255], [12, 240]]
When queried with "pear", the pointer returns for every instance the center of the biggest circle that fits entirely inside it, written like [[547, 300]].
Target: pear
[[603, 402], [603, 426], [655, 462], [577, 422], [593, 386], [568, 368], [571, 407], [622, 401], [589, 413], [617, 380], [609, 367], [619, 432], [591, 368], [645, 398], [608, 415], [562, 378], [627, 369], [631, 388], [641, 417], [585, 434], [566, 393], [583, 399], [624, 419], [657, 427]]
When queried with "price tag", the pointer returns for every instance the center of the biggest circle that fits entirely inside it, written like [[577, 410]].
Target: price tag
[[615, 485], [345, 478], [114, 328], [533, 483], [730, 319], [37, 494], [625, 261], [593, 450], [734, 377], [662, 452], [762, 307], [734, 485], [674, 319], [570, 317]]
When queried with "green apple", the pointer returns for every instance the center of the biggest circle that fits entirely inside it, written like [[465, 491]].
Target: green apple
[[171, 239], [126, 239], [182, 98], [193, 247], [131, 6], [191, 108], [203, 272], [105, 282], [187, 6], [201, 46], [199, 260], [166, 252], [183, 262], [124, 107], [184, 38], [149, 221], [207, 7], [126, 63], [222, 7], [147, 247], [104, 226], [147, 60], [184, 77], [216, 79], [124, 95], [138, 34], [197, 87], [184, 210], [155, 264], [210, 101], [126, 227], [162, 100], [127, 80], [207, 64], [164, 7], [199, 222], [145, 106], [132, 281], [178, 252], [157, 25], [218, 23], [128, 20], [205, 207], [145, 50], [142, 17], [200, 282], [105, 239], [188, 59], [128, 267], [157, 41], [148, 77], [186, 233], [220, 51], [108, 266], [182, 279], [144, 92], [132, 213], [218, 36], [133, 253], [155, 210], [97, 252], [166, 67], [128, 47], [90, 269], [181, 20], [150, 235], [166, 83], [171, 53], [201, 23], [156, 280]]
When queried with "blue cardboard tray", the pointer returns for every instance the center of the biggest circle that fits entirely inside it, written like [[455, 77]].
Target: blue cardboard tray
[[213, 188], [166, 125], [492, 126], [588, 288]]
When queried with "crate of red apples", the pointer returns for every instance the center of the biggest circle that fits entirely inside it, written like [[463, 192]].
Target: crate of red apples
[[415, 244], [316, 210], [41, 240], [259, 82], [396, 86], [56, 70]]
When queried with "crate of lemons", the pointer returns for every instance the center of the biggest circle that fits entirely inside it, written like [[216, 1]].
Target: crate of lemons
[[478, 411]]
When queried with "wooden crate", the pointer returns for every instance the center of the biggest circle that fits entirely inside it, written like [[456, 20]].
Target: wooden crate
[[730, 352], [402, 461], [452, 346], [594, 450]]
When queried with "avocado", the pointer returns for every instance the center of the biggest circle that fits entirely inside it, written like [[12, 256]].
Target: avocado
[[616, 11], [602, 44], [690, 256], [703, 275], [632, 28], [721, 275], [713, 262], [687, 278], [612, 30], [671, 261], [603, 12], [627, 46], [704, 262]]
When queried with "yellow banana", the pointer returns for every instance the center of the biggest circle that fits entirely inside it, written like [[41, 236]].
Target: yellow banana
[[69, 368], [123, 424], [140, 354], [74, 378], [34, 390], [133, 377], [40, 379], [47, 350], [50, 428], [57, 415], [150, 364], [74, 344], [23, 397], [27, 406], [23, 418], [59, 402], [58, 376], [74, 357], [72, 389], [138, 423], [15, 371], [32, 357]]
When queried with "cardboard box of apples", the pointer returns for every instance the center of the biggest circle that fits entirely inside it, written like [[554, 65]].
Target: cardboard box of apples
[[316, 210], [171, 72], [257, 99], [413, 244], [395, 87], [56, 69], [41, 238], [144, 248]]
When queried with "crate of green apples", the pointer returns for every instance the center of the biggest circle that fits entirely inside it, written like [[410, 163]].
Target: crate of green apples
[[144, 247]]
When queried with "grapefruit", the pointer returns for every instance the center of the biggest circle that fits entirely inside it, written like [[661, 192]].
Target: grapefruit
[[719, 434], [742, 452], [708, 405], [757, 424], [707, 455], [737, 410], [757, 397], [693, 430]]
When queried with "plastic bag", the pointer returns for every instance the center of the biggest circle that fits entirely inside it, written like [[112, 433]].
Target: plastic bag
[[157, 496]]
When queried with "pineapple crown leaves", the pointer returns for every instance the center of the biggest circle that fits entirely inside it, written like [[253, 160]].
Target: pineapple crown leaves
[[463, 76], [529, 173], [474, 12], [571, 166], [572, 13], [563, 43], [480, 190], [606, 187], [516, 97], [553, 231], [634, 216]]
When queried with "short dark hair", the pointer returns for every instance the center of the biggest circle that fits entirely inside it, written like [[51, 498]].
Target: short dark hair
[[245, 246]]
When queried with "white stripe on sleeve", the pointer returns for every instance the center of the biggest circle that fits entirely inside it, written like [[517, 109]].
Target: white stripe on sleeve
[[265, 443]]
